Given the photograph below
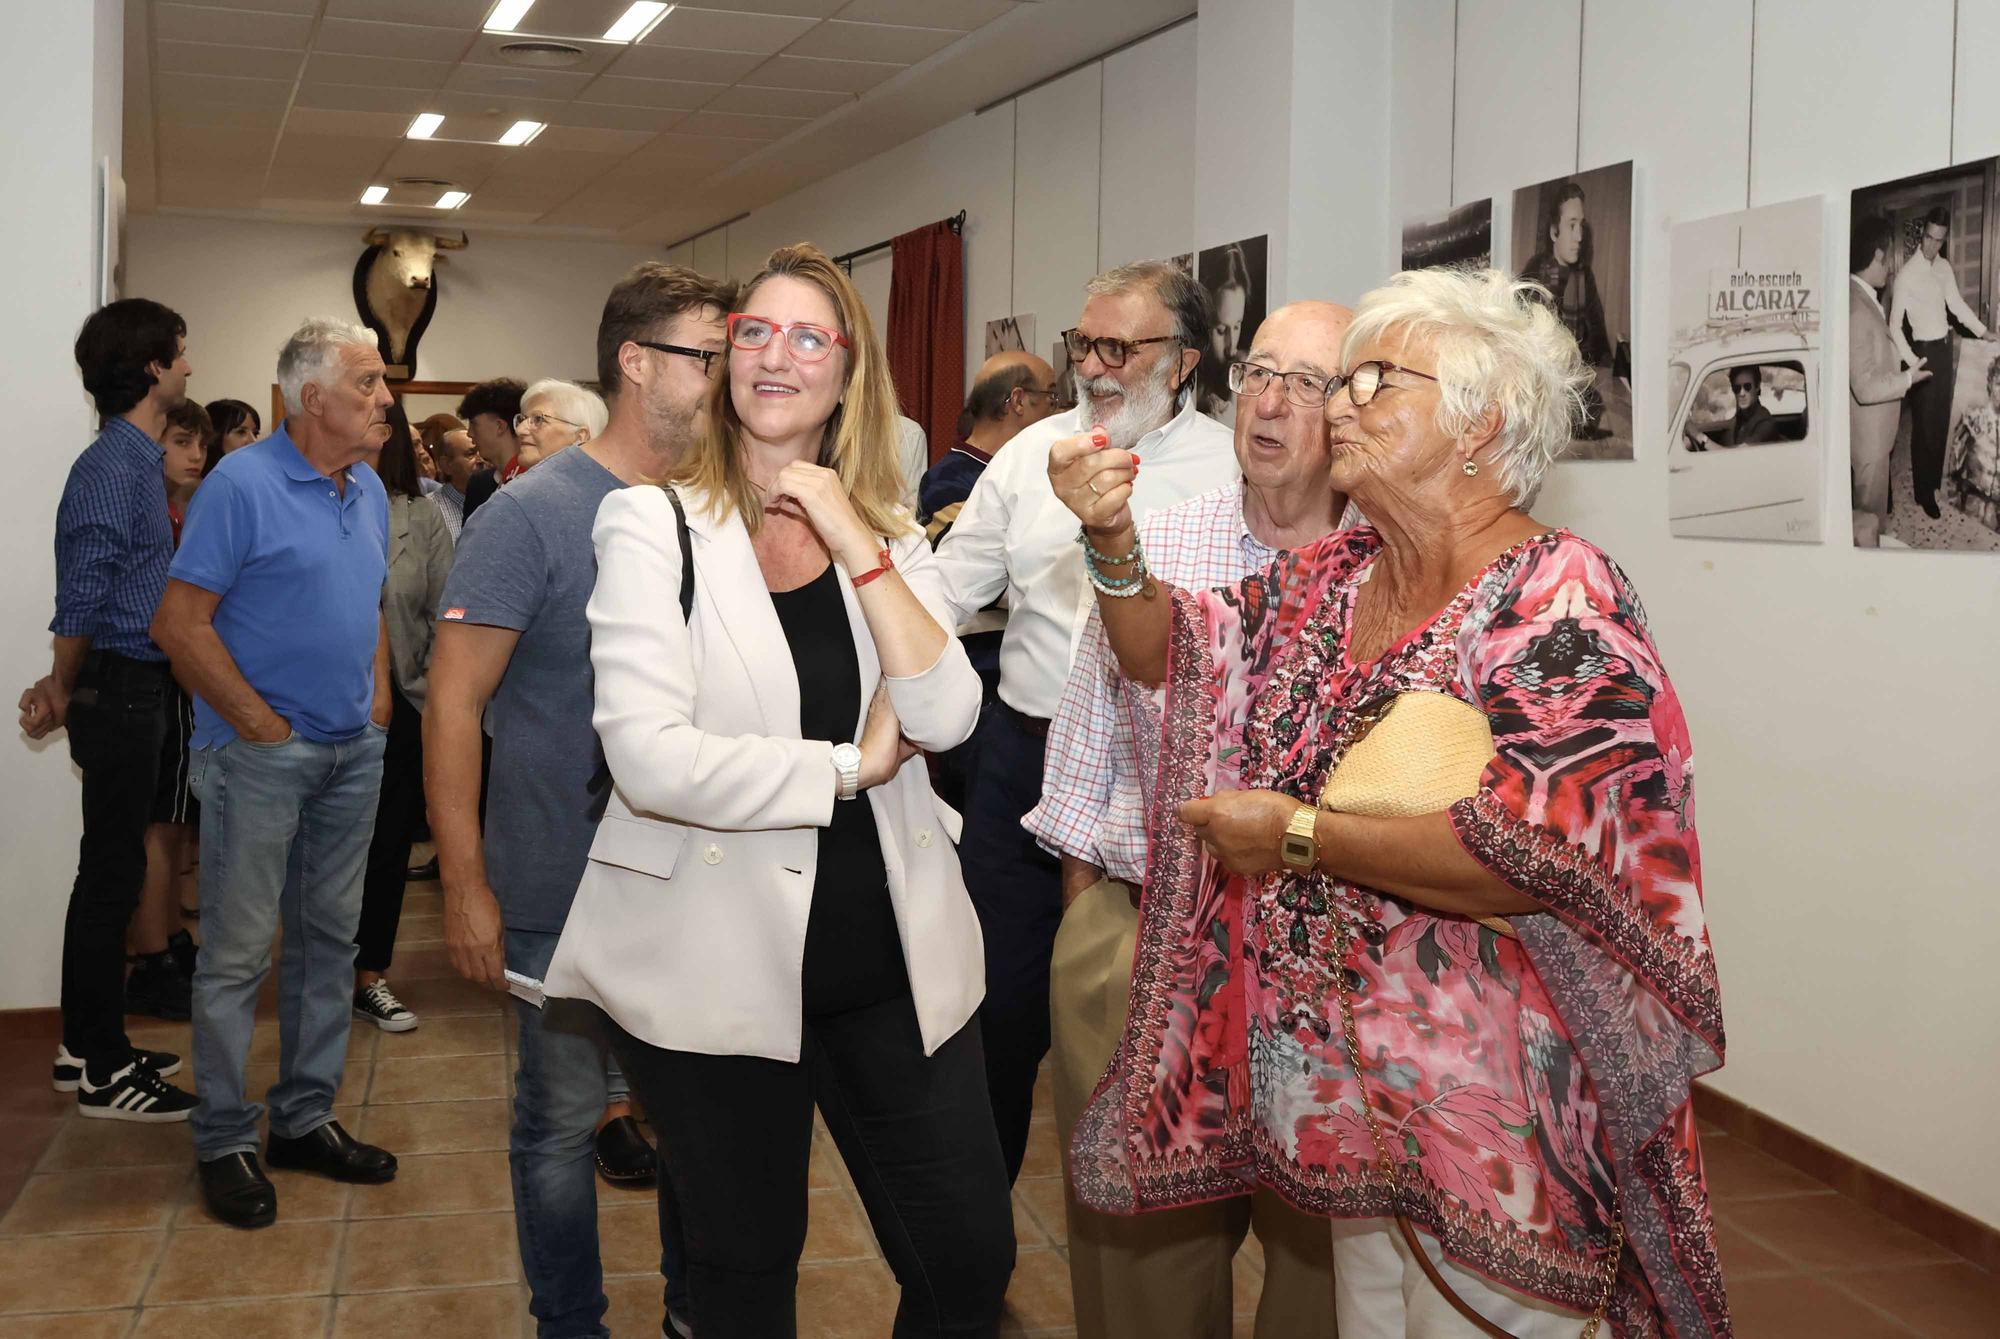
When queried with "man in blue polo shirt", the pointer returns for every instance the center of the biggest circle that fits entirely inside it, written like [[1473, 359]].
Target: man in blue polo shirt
[[110, 685], [272, 619]]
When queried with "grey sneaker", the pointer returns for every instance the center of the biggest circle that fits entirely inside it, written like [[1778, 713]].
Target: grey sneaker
[[378, 1004]]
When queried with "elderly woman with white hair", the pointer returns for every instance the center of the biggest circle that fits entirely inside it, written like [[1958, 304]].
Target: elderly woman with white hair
[[554, 415], [1423, 945]]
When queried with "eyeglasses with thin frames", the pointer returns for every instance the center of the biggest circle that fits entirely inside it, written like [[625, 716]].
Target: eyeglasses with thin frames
[[707, 356], [1110, 351], [807, 342], [540, 421], [1366, 379], [1307, 390]]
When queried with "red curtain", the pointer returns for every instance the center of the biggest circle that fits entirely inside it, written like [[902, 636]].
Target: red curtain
[[927, 331]]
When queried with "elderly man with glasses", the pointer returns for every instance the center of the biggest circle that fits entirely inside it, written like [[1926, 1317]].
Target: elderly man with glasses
[[1134, 352], [1168, 1275]]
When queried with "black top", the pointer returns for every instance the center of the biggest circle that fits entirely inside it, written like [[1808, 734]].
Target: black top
[[854, 956]]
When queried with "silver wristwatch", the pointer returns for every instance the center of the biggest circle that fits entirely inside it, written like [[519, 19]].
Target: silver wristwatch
[[847, 766]]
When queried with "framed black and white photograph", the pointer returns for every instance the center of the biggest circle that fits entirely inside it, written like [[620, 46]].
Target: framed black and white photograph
[[1746, 410], [1573, 236], [1065, 382], [1924, 428], [1234, 275], [1461, 237], [1010, 334]]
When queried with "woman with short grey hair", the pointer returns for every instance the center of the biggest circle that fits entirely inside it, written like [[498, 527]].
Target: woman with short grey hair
[[1422, 943], [554, 415]]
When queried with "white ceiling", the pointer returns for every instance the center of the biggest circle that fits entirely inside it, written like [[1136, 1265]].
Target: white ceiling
[[288, 109]]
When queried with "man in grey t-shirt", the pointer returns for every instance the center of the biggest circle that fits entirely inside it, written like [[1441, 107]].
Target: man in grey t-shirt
[[512, 634]]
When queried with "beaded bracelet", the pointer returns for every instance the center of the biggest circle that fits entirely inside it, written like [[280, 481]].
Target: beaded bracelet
[[1095, 554], [1121, 587]]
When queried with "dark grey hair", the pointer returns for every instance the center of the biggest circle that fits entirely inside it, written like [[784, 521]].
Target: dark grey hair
[[1185, 300]]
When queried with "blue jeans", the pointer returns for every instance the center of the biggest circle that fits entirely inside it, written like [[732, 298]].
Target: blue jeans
[[284, 834], [560, 1092]]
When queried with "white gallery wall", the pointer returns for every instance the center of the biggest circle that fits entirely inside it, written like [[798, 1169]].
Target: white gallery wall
[[1840, 699]]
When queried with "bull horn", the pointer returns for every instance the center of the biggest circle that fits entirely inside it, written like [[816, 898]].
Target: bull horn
[[446, 244], [376, 237]]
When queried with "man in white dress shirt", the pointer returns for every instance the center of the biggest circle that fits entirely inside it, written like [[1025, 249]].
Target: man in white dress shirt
[[1134, 352], [1926, 295]]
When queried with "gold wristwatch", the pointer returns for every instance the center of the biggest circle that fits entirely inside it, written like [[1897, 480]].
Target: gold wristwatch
[[1300, 845]]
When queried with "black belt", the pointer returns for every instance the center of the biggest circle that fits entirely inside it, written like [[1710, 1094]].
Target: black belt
[[1038, 726], [111, 664]]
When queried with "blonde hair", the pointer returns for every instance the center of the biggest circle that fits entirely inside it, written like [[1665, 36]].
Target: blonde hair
[[859, 443], [1495, 342]]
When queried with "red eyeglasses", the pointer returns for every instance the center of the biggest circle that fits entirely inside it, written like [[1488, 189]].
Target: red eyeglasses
[[808, 343]]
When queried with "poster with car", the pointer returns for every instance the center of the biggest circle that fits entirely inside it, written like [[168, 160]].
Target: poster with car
[[1746, 447], [1573, 236]]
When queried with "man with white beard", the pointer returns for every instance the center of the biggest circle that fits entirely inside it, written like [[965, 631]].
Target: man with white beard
[[1134, 352]]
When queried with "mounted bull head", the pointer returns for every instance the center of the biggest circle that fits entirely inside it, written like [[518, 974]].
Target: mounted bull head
[[395, 293]]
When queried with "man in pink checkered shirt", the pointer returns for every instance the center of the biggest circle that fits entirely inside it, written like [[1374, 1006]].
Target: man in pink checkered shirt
[[1168, 1275]]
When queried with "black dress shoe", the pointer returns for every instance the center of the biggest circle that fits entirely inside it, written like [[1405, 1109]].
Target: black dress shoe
[[332, 1151], [421, 873], [236, 1190], [624, 1158], [1931, 510]]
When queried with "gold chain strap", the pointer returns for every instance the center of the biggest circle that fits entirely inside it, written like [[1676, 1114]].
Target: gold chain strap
[[1607, 1265]]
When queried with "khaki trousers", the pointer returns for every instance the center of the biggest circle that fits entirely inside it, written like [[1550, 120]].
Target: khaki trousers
[[1165, 1275]]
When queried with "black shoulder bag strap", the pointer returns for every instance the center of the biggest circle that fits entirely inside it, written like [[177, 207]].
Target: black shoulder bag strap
[[687, 555]]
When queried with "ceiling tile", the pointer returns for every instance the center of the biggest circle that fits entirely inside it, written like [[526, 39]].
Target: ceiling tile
[[717, 30], [646, 61], [688, 157], [777, 101], [465, 14], [356, 37], [194, 190], [381, 71], [596, 57], [324, 167], [738, 126], [607, 116], [464, 165], [649, 92], [404, 102], [236, 27], [965, 15], [329, 121], [176, 111], [177, 58], [450, 103], [826, 76], [556, 173], [271, 6], [817, 9], [895, 45], [235, 92], [511, 81], [215, 151], [591, 139]]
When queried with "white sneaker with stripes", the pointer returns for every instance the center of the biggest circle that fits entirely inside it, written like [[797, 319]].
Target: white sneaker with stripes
[[134, 1093]]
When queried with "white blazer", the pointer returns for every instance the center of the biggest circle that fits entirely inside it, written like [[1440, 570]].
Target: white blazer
[[689, 927]]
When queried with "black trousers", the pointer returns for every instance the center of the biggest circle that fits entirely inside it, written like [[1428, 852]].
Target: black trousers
[[915, 1132], [396, 815], [1930, 417], [117, 723], [1016, 887]]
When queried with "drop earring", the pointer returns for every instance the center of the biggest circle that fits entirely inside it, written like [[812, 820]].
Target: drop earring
[[1470, 467]]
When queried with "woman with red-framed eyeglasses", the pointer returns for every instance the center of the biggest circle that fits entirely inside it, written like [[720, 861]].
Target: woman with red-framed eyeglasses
[[773, 917]]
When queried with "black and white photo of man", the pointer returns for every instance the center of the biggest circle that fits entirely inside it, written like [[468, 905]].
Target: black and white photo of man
[[1923, 306], [1573, 236]]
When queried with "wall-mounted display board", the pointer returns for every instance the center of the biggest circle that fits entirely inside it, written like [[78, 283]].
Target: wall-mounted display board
[[1746, 406], [1234, 275], [1924, 436], [1573, 236], [1460, 237]]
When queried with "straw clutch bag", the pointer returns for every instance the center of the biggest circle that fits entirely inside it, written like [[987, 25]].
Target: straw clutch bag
[[1418, 753]]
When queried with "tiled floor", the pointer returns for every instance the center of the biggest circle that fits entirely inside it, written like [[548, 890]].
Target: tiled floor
[[103, 1234]]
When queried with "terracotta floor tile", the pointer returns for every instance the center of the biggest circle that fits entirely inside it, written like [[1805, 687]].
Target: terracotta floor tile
[[417, 928], [422, 899], [212, 1264], [68, 1325], [1044, 1156], [1737, 1171], [437, 1127], [1954, 1301], [450, 1313], [450, 1078], [89, 1145], [1044, 1197], [827, 1171], [1252, 1249], [265, 1044], [435, 1183], [1831, 1232], [628, 1234], [259, 1079], [1805, 1308], [113, 1201], [461, 1251], [1743, 1258], [453, 1034], [1027, 1232], [836, 1229], [81, 1272], [855, 1299], [1039, 1296], [448, 995], [636, 1306], [29, 1094], [429, 962], [302, 1198], [1246, 1284], [158, 1035], [265, 1318]]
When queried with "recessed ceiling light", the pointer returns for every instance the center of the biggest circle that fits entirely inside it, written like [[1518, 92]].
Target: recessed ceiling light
[[507, 15], [520, 133], [424, 126], [374, 195], [637, 21], [451, 200]]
